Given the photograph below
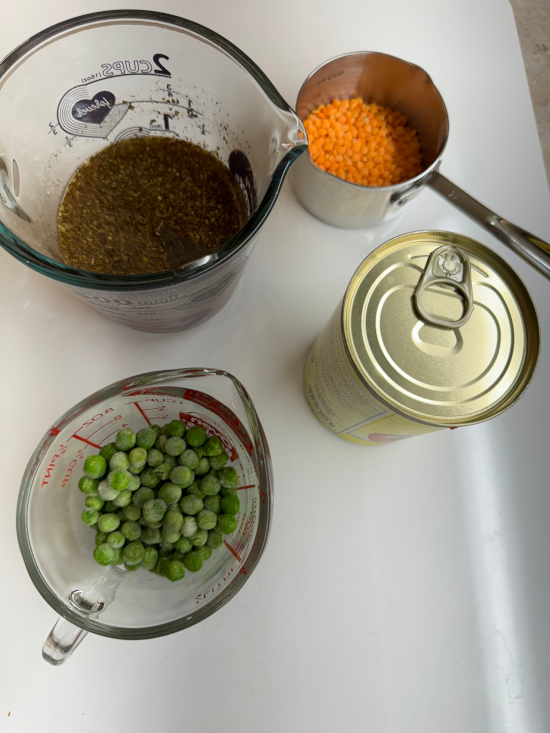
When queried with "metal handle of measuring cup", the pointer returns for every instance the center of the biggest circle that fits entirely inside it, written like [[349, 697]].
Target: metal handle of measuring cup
[[531, 248]]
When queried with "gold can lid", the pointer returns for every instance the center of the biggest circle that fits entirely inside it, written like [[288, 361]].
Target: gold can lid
[[441, 329]]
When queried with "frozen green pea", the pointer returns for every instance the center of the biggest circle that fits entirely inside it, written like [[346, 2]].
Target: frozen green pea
[[169, 492], [189, 526], [123, 499], [228, 477], [132, 512], [156, 525], [189, 458], [154, 457], [119, 460], [121, 514], [228, 492], [191, 504], [104, 554], [136, 471], [171, 537], [119, 479], [161, 442], [94, 502], [133, 553], [154, 510], [177, 555], [203, 467], [213, 503], [163, 471], [160, 567], [175, 428], [145, 438], [218, 462], [199, 451], [88, 485], [212, 446], [131, 530], [164, 429], [108, 451], [108, 522], [205, 552], [196, 436], [95, 466], [199, 537], [175, 446], [116, 539], [231, 504], [182, 476], [131, 568], [137, 457], [90, 516], [210, 485], [156, 428], [134, 484], [142, 495], [100, 537], [151, 536], [215, 539], [109, 507], [166, 548], [149, 478], [183, 545], [193, 562], [150, 558], [172, 521], [170, 461], [227, 523], [196, 490], [118, 558], [206, 520], [125, 439], [175, 570]]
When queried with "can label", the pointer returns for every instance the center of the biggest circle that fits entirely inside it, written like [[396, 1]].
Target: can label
[[342, 402]]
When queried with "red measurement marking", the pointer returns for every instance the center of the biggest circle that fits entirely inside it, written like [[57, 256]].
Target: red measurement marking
[[232, 550], [54, 431], [101, 428], [144, 415], [252, 486], [86, 441]]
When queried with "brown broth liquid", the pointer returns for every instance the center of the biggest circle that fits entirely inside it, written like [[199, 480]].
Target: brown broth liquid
[[116, 201]]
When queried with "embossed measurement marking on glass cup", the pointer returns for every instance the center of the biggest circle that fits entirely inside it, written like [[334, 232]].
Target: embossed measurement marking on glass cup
[[434, 331]]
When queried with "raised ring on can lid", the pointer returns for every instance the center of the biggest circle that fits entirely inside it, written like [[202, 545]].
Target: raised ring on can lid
[[441, 329]]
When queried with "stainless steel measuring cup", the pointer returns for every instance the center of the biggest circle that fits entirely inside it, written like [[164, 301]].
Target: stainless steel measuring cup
[[75, 88], [400, 85]]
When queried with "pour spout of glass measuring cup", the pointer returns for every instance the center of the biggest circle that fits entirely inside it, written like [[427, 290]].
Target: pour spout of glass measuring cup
[[66, 637], [288, 141], [532, 249]]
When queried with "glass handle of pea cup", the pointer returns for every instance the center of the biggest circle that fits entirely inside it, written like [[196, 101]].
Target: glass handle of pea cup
[[62, 640]]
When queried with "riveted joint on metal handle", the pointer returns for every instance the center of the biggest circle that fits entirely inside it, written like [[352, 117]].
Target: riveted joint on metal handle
[[446, 265]]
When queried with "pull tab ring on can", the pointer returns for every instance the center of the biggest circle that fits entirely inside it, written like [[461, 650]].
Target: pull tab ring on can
[[446, 265]]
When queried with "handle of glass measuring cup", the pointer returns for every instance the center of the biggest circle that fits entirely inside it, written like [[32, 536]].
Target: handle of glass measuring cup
[[62, 640], [529, 247]]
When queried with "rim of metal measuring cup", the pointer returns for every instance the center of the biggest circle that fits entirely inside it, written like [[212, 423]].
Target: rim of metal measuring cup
[[265, 509], [71, 276], [412, 183]]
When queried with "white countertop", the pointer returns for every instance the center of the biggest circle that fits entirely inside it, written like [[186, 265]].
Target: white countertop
[[405, 589]]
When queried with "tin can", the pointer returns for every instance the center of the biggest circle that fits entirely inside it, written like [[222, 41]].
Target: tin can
[[434, 331]]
